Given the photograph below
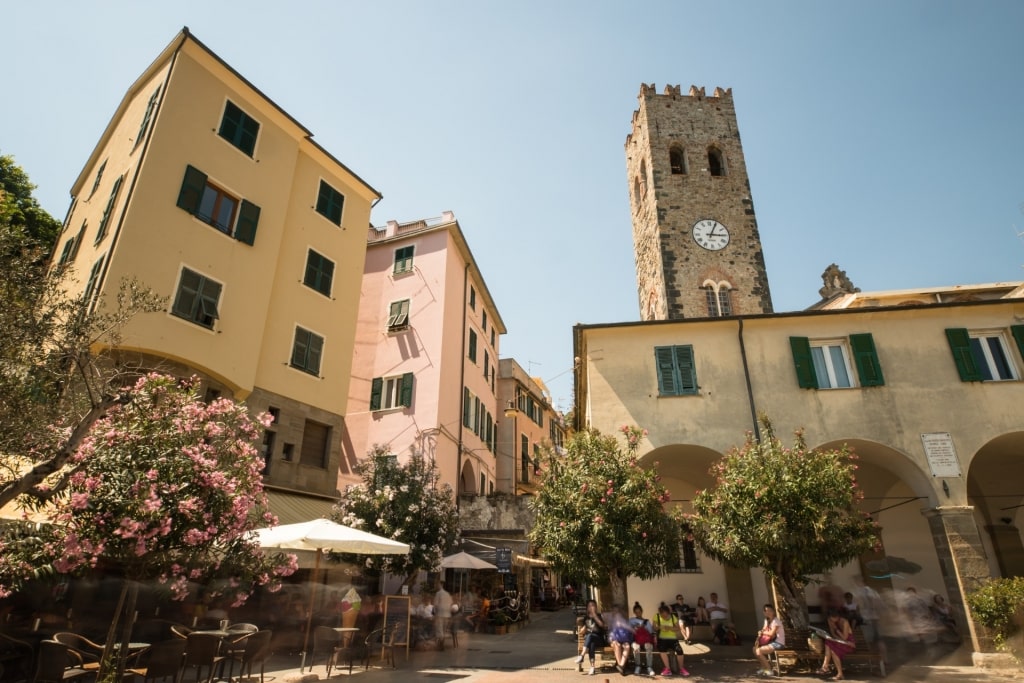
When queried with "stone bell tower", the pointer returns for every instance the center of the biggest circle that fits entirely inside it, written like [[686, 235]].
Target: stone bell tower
[[698, 252]]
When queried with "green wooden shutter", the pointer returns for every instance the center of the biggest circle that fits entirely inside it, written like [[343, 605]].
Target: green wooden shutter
[[316, 349], [1018, 336], [869, 370], [376, 392], [472, 345], [667, 385], [191, 189], [299, 349], [465, 407], [960, 344], [248, 218], [803, 362], [686, 369], [406, 397]]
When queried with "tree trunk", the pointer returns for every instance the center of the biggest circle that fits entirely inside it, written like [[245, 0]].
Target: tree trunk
[[791, 603], [617, 591]]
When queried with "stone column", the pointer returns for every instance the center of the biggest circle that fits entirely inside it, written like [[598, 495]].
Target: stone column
[[962, 560]]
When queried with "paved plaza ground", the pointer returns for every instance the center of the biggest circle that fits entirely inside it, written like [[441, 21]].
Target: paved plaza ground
[[543, 652]]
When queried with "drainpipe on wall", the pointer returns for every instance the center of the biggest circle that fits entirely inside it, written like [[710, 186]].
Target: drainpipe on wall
[[462, 383], [746, 379]]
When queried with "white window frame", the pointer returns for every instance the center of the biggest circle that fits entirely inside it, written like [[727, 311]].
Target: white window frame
[[398, 320], [715, 292], [391, 393], [986, 355], [824, 363]]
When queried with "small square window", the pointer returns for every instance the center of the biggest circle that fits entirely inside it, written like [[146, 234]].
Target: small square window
[[288, 452], [217, 207], [319, 272], [831, 364], [307, 350], [403, 260], [391, 392], [239, 128], [197, 299], [398, 316], [991, 357], [329, 203]]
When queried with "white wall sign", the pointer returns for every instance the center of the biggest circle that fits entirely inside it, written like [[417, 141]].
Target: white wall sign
[[941, 454]]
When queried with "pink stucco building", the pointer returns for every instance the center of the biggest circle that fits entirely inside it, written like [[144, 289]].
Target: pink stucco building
[[426, 356]]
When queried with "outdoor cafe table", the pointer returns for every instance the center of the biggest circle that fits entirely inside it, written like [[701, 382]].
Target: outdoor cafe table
[[346, 633]]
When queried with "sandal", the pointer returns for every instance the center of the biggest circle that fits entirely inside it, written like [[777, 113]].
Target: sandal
[[823, 672]]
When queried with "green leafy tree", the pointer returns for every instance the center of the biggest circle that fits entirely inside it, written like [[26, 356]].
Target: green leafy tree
[[790, 511], [998, 605], [165, 488], [20, 210], [53, 382], [403, 502], [601, 516]]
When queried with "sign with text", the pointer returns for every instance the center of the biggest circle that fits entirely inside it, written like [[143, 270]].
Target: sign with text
[[503, 559], [941, 454]]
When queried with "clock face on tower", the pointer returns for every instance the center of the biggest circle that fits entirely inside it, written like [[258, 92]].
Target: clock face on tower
[[710, 234]]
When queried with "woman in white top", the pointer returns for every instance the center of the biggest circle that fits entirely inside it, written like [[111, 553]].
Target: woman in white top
[[772, 636]]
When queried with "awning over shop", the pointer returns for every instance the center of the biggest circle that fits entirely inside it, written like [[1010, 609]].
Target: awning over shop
[[292, 508]]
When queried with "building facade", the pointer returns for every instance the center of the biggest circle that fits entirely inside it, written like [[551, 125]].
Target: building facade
[[925, 394], [698, 250], [425, 364], [210, 194], [923, 384], [529, 424]]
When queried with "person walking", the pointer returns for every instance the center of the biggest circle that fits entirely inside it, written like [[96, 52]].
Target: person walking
[[442, 614]]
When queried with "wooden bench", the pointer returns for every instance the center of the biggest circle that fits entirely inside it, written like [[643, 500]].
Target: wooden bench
[[798, 651], [603, 656]]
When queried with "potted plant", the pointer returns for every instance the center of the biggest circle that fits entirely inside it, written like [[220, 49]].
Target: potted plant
[[500, 623]]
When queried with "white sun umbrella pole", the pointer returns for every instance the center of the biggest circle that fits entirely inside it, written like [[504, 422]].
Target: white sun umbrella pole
[[320, 535]]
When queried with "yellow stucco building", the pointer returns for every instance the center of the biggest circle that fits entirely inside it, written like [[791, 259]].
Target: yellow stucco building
[[212, 195]]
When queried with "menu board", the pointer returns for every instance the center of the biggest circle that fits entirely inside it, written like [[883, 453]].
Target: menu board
[[503, 559], [398, 616]]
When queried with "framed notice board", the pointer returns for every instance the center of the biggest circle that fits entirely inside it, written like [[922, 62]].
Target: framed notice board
[[398, 616]]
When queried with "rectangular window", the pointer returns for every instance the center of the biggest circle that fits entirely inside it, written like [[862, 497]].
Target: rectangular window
[[472, 298], [677, 375], [147, 117], [524, 459], [269, 436], [487, 365], [108, 211], [197, 299], [93, 283], [483, 322], [826, 363], [403, 260], [69, 248], [398, 315], [99, 176], [288, 452], [472, 345], [239, 128], [391, 392], [307, 350], [492, 338], [329, 203], [319, 272], [316, 440], [216, 207], [983, 355], [688, 563]]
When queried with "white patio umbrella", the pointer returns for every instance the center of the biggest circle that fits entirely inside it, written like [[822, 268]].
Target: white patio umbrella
[[464, 561], [320, 535]]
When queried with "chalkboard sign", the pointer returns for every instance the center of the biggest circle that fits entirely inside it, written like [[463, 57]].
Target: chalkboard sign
[[398, 617], [503, 558]]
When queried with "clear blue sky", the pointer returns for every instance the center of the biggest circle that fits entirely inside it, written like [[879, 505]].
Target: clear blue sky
[[884, 135]]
